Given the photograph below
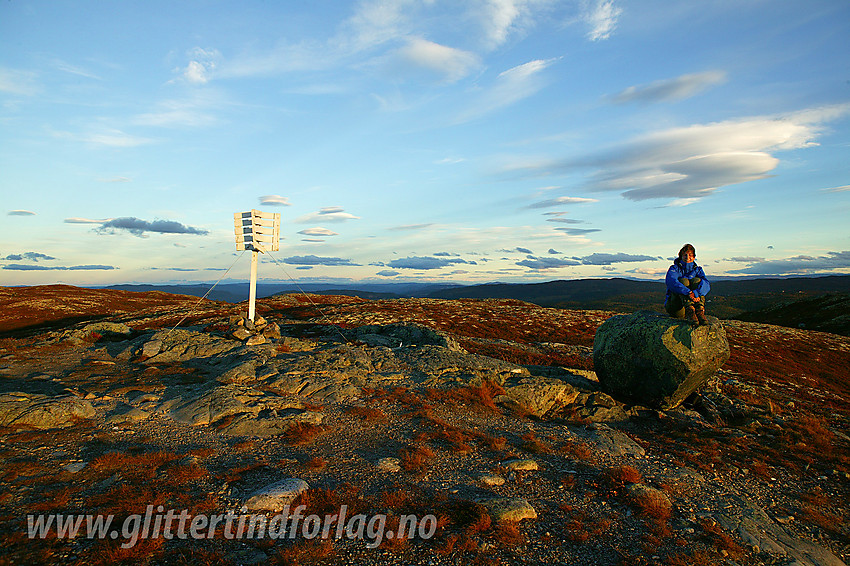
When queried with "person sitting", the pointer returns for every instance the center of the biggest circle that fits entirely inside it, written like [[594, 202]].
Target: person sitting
[[687, 287]]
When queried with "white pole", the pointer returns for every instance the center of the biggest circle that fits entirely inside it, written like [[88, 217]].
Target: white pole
[[252, 296]]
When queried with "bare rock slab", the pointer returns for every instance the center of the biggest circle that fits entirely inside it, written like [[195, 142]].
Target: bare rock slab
[[42, 411], [276, 496], [655, 360]]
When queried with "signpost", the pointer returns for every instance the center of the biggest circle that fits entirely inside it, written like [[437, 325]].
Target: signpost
[[256, 231]]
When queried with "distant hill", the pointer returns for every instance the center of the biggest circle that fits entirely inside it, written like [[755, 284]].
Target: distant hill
[[727, 298], [827, 313]]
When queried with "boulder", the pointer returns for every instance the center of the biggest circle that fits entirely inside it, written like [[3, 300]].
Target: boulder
[[652, 359], [34, 410], [509, 509], [276, 496]]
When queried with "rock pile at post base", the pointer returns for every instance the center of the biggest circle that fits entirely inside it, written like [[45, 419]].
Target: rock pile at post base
[[654, 360]]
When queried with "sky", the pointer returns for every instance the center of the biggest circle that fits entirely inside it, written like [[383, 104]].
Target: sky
[[433, 140]]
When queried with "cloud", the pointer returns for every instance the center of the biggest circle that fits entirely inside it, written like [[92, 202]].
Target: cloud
[[553, 251], [107, 137], [139, 227], [547, 262], [510, 87], [388, 273], [524, 250], [115, 180], [601, 16], [174, 113], [694, 161], [608, 259], [411, 226], [798, 265], [30, 256], [78, 220], [202, 63], [326, 214], [316, 260], [448, 63], [31, 267], [578, 231], [318, 232], [680, 88], [840, 189], [745, 259], [427, 262], [21, 83], [644, 271], [559, 201], [565, 220], [20, 213], [274, 200]]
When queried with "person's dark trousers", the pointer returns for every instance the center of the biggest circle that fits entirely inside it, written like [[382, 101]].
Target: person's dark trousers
[[677, 303]]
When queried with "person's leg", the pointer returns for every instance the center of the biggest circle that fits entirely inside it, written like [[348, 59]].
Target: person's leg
[[699, 308], [675, 306]]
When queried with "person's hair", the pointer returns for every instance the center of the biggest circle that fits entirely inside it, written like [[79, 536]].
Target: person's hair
[[688, 248]]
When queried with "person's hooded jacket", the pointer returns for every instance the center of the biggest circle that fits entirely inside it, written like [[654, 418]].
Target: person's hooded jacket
[[689, 270]]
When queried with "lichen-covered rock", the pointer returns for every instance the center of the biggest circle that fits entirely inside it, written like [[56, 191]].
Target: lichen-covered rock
[[540, 395], [656, 360], [276, 496], [25, 410], [509, 509], [180, 345]]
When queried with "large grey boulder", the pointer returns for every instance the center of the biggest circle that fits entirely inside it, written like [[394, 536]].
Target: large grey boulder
[[656, 360]]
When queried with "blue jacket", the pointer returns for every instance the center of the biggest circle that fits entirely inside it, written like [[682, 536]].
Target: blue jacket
[[689, 270]]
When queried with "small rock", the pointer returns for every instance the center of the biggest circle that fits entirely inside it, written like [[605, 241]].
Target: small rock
[[522, 465], [389, 464], [276, 496], [272, 331], [151, 348], [74, 467], [255, 340], [491, 479], [509, 509], [241, 333]]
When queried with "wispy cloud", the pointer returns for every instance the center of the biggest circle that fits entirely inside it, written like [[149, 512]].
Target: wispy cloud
[[316, 260], [694, 161], [608, 259], [318, 232], [840, 189], [560, 201], [578, 231], [21, 83], [426, 262], [798, 265], [80, 220], [448, 64], [36, 267], [115, 180], [412, 226], [510, 87], [327, 214], [601, 16], [28, 256], [193, 113], [543, 263], [679, 88], [20, 213], [75, 70], [274, 200], [110, 137], [139, 227], [388, 273]]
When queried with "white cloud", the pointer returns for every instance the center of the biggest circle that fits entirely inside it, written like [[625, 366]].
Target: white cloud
[[108, 137], [202, 63], [601, 16], [679, 88], [840, 189], [447, 62], [274, 200], [318, 232], [172, 113], [78, 220], [22, 83], [692, 162], [510, 87], [20, 213], [327, 214], [559, 201]]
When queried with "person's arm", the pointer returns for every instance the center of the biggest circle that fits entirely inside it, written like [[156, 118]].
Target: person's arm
[[673, 283]]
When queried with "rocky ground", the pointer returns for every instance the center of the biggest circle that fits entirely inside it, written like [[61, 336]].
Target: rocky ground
[[484, 413]]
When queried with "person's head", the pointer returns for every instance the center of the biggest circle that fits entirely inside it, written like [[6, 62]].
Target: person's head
[[687, 254]]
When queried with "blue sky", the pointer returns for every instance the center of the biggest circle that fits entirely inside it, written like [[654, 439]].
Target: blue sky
[[433, 140]]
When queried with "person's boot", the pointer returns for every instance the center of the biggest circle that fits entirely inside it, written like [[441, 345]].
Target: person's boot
[[691, 315], [699, 310]]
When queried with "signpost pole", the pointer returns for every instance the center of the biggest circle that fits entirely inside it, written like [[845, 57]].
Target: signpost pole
[[252, 296]]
